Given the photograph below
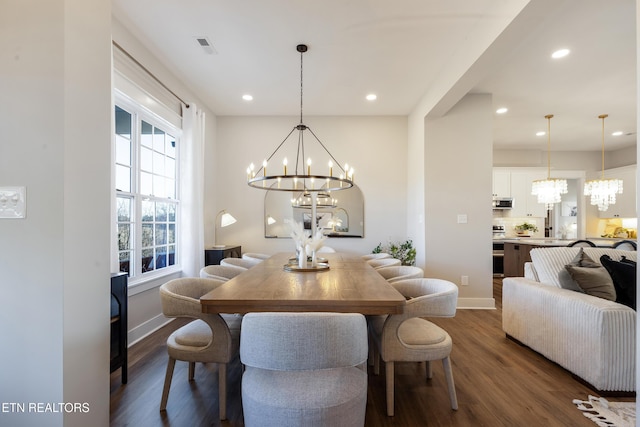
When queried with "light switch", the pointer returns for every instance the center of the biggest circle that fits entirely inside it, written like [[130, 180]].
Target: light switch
[[462, 218], [13, 202]]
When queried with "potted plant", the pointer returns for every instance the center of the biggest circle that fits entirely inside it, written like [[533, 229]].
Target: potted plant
[[525, 227], [405, 252]]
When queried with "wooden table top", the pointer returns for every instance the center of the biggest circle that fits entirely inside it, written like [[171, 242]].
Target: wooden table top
[[350, 285]]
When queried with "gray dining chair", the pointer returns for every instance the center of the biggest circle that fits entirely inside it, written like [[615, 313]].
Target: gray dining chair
[[220, 272], [211, 338], [255, 256], [385, 262], [396, 273], [304, 369], [408, 337], [380, 255], [239, 262]]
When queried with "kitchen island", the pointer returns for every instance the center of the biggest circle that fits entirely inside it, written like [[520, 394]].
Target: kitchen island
[[516, 251]]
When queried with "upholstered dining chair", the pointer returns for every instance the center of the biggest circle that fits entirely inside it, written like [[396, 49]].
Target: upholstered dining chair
[[380, 255], [211, 338], [407, 337], [304, 369], [255, 256], [583, 243], [239, 262], [395, 273], [220, 272], [385, 262], [627, 245]]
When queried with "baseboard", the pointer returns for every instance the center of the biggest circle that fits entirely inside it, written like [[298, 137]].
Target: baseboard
[[477, 303], [147, 328]]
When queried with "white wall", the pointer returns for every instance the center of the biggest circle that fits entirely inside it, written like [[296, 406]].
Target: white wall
[[145, 312], [458, 181], [56, 133], [375, 146]]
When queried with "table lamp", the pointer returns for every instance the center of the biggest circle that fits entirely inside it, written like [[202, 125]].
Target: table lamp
[[224, 219]]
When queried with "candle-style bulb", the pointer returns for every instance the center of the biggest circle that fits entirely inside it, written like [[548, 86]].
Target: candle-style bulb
[[309, 166], [264, 167], [284, 163], [330, 168]]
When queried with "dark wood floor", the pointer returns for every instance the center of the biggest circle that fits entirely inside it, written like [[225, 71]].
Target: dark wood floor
[[499, 383]]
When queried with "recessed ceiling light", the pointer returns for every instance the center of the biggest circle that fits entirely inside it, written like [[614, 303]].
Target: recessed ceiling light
[[372, 97], [502, 110], [561, 53], [617, 133], [247, 97], [541, 133]]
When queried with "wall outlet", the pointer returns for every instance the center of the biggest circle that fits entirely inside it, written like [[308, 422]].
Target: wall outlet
[[13, 202], [464, 280]]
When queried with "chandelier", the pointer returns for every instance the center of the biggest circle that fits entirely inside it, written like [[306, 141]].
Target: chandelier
[[549, 190], [299, 179], [603, 191], [323, 200]]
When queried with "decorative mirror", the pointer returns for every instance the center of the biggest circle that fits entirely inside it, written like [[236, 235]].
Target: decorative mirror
[[338, 214]]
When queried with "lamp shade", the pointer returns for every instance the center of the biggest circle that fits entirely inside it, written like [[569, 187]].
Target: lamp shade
[[227, 219]]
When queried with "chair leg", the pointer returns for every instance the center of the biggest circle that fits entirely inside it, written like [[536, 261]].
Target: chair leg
[[167, 383], [429, 367], [448, 372], [222, 389], [389, 372], [192, 370], [371, 354], [376, 361]]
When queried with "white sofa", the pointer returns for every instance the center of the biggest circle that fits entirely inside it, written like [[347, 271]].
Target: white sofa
[[591, 337]]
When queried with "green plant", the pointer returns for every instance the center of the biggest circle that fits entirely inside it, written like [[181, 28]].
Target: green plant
[[525, 226], [405, 252]]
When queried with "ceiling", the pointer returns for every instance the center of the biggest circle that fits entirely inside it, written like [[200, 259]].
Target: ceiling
[[400, 50]]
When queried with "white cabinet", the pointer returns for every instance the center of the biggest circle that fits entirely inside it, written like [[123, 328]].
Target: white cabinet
[[525, 204], [625, 206], [501, 183]]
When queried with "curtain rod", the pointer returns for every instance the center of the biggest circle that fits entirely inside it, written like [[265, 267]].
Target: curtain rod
[[148, 72]]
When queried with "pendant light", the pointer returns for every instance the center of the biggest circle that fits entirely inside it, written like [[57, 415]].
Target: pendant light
[[298, 178], [549, 190], [603, 191]]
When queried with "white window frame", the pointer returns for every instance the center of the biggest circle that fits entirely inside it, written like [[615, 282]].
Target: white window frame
[[140, 113]]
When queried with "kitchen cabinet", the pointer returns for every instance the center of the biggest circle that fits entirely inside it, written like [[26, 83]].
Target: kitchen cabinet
[[625, 206], [501, 183], [524, 203]]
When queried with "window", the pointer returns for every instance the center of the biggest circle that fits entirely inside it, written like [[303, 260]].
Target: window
[[147, 202]]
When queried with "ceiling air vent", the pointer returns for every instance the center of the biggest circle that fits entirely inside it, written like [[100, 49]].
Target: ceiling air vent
[[206, 45]]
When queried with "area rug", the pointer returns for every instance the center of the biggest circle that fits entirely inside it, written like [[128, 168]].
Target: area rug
[[608, 414]]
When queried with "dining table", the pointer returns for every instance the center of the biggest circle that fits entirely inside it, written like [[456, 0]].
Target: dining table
[[342, 283]]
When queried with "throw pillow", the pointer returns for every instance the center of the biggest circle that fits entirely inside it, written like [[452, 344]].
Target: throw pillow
[[623, 274], [580, 260], [566, 282], [595, 281]]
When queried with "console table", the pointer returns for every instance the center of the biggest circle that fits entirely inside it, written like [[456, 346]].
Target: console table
[[213, 256]]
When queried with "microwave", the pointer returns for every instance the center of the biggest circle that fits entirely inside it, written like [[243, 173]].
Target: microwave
[[502, 203]]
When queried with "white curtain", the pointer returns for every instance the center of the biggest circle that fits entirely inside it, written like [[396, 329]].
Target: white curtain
[[192, 191]]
